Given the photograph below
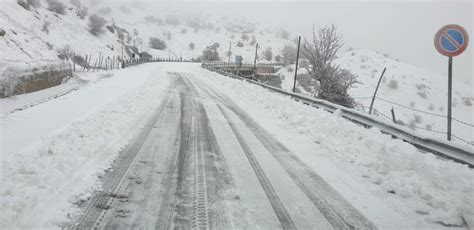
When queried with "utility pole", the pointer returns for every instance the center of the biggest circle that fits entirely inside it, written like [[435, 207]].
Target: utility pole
[[376, 89], [230, 50], [255, 61], [297, 58]]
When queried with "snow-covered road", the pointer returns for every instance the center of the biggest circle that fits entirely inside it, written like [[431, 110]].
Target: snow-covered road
[[204, 162], [170, 145]]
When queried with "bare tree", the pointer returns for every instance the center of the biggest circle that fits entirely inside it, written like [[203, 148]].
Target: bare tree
[[330, 81]]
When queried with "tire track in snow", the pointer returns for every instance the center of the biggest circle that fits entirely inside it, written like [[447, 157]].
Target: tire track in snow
[[340, 213], [278, 207], [99, 204]]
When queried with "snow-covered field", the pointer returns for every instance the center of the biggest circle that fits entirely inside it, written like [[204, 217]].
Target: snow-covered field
[[51, 153]]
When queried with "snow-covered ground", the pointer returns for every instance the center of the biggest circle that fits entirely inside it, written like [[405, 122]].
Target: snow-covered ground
[[390, 181], [51, 153], [418, 96]]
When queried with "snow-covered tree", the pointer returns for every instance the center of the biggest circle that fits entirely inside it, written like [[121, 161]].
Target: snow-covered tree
[[330, 81], [267, 54], [210, 53]]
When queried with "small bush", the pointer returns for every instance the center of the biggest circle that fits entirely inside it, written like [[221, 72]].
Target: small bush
[[96, 24], [184, 30], [56, 7], [418, 118], [412, 104], [156, 43], [429, 127], [191, 46], [467, 101], [45, 27], [79, 60], [27, 4], [2, 32], [290, 69], [393, 84], [245, 37], [210, 53], [145, 55], [422, 94], [431, 107], [240, 44]]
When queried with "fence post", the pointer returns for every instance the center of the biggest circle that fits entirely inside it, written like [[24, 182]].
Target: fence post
[[376, 89], [393, 115]]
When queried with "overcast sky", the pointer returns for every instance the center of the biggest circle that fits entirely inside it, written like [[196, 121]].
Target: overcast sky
[[403, 29]]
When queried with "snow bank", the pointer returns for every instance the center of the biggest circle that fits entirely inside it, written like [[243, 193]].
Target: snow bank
[[442, 190], [40, 184]]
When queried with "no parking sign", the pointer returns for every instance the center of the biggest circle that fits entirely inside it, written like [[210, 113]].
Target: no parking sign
[[450, 41]]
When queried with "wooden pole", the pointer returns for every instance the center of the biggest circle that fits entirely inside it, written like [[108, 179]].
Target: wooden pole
[[376, 89], [296, 69], [230, 50], [393, 115]]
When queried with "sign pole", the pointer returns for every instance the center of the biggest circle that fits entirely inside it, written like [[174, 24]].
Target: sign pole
[[450, 94]]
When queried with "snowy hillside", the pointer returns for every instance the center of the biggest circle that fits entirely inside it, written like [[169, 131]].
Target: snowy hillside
[[38, 35], [418, 96]]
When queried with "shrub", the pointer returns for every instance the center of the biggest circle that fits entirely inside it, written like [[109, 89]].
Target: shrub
[[191, 46], [412, 104], [184, 30], [56, 7], [27, 4], [96, 24], [278, 58], [172, 20], [393, 84], [2, 32], [418, 118], [467, 101], [156, 43], [145, 55], [83, 12], [431, 107], [244, 37], [240, 44], [45, 27], [79, 60], [290, 69], [332, 81]]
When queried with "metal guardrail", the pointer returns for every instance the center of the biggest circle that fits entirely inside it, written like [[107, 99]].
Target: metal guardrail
[[439, 147], [139, 61]]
